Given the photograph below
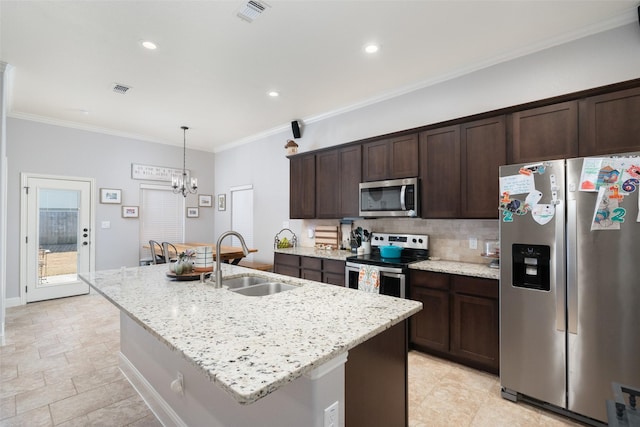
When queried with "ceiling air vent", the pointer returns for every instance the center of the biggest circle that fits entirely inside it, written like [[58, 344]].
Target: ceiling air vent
[[118, 88], [252, 10]]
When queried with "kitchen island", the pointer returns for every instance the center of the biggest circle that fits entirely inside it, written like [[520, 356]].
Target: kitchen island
[[205, 356]]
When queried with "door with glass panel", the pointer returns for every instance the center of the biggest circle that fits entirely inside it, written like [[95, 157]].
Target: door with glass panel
[[58, 236]]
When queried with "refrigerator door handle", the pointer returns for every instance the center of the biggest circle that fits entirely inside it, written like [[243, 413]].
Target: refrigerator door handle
[[559, 275], [572, 267]]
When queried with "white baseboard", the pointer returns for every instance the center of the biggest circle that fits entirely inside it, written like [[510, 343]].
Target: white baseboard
[[152, 398], [12, 302]]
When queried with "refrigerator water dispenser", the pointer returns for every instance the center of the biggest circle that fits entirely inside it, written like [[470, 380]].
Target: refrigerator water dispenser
[[531, 266]]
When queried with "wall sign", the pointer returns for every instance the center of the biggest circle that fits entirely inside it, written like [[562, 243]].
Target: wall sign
[[154, 173]]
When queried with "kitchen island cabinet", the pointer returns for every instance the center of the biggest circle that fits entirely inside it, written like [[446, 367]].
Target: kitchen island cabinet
[[206, 356], [459, 320]]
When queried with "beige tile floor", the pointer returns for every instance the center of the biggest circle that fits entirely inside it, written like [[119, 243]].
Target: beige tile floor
[[59, 367]]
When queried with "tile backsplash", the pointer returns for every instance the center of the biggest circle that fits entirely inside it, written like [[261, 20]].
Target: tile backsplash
[[448, 239]]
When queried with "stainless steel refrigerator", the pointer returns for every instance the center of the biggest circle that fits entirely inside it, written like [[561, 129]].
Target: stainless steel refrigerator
[[570, 281]]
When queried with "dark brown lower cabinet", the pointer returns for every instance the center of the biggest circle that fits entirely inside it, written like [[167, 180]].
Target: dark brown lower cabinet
[[430, 327], [459, 319], [311, 268], [333, 272], [376, 380], [288, 265]]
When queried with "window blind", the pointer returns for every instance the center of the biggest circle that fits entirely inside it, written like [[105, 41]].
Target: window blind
[[161, 216]]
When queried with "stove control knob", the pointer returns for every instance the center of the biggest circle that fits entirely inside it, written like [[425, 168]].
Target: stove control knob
[[420, 240], [414, 240]]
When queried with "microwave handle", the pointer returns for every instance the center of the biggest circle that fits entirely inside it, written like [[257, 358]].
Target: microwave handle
[[403, 205]]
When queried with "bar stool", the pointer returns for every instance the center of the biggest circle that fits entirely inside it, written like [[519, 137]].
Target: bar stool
[[167, 254], [157, 253]]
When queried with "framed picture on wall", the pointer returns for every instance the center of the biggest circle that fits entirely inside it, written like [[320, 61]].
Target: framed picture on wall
[[110, 195], [222, 202], [129, 212], [205, 200], [193, 212]]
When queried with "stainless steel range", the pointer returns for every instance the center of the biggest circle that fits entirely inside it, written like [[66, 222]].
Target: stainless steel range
[[393, 271]]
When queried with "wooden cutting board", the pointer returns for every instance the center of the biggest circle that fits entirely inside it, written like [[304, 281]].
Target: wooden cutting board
[[327, 235]]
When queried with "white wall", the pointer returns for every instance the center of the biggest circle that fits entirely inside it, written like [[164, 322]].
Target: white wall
[[263, 165], [597, 60], [4, 71], [609, 57], [46, 149]]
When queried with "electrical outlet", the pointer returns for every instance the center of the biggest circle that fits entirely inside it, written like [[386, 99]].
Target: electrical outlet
[[473, 243], [331, 415]]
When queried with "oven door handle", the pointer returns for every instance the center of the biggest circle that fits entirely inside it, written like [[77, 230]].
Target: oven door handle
[[394, 275]]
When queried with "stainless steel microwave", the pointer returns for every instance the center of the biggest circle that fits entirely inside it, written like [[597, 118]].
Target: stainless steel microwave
[[395, 197]]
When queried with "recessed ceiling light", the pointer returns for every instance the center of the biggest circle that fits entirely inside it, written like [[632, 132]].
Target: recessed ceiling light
[[149, 45], [273, 94], [371, 48]]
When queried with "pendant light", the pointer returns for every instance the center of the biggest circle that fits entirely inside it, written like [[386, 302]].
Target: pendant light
[[184, 184]]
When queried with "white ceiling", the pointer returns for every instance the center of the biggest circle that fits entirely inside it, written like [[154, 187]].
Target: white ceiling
[[212, 71]]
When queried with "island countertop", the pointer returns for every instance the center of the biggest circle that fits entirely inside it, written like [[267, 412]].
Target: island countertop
[[250, 346]]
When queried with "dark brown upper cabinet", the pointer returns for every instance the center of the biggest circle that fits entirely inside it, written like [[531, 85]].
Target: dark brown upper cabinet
[[459, 169], [483, 150], [610, 123], [327, 184], [302, 183], [350, 172], [545, 133], [440, 172], [390, 158], [338, 174]]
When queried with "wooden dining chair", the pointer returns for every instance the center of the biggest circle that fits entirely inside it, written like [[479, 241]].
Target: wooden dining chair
[[167, 253], [157, 253]]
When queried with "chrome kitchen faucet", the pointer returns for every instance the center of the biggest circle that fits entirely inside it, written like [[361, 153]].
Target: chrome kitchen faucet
[[245, 250]]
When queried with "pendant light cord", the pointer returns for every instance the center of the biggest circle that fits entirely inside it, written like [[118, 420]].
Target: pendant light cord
[[184, 152]]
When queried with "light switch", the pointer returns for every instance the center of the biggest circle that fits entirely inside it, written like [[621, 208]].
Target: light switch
[[105, 224], [473, 243]]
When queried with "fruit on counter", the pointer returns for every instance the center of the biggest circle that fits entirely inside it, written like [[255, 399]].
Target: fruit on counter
[[284, 243]]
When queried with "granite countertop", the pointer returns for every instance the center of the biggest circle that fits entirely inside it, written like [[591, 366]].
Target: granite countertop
[[250, 346], [451, 267], [456, 267], [337, 254]]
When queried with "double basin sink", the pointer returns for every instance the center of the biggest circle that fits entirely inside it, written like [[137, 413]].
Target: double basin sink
[[255, 286]]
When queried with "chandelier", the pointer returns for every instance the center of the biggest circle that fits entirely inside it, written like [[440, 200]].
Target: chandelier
[[184, 184]]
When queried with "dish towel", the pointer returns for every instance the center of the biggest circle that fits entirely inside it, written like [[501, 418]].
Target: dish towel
[[369, 279]]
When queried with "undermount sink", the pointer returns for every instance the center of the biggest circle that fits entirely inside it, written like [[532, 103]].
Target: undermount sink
[[263, 289], [255, 286], [243, 282]]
